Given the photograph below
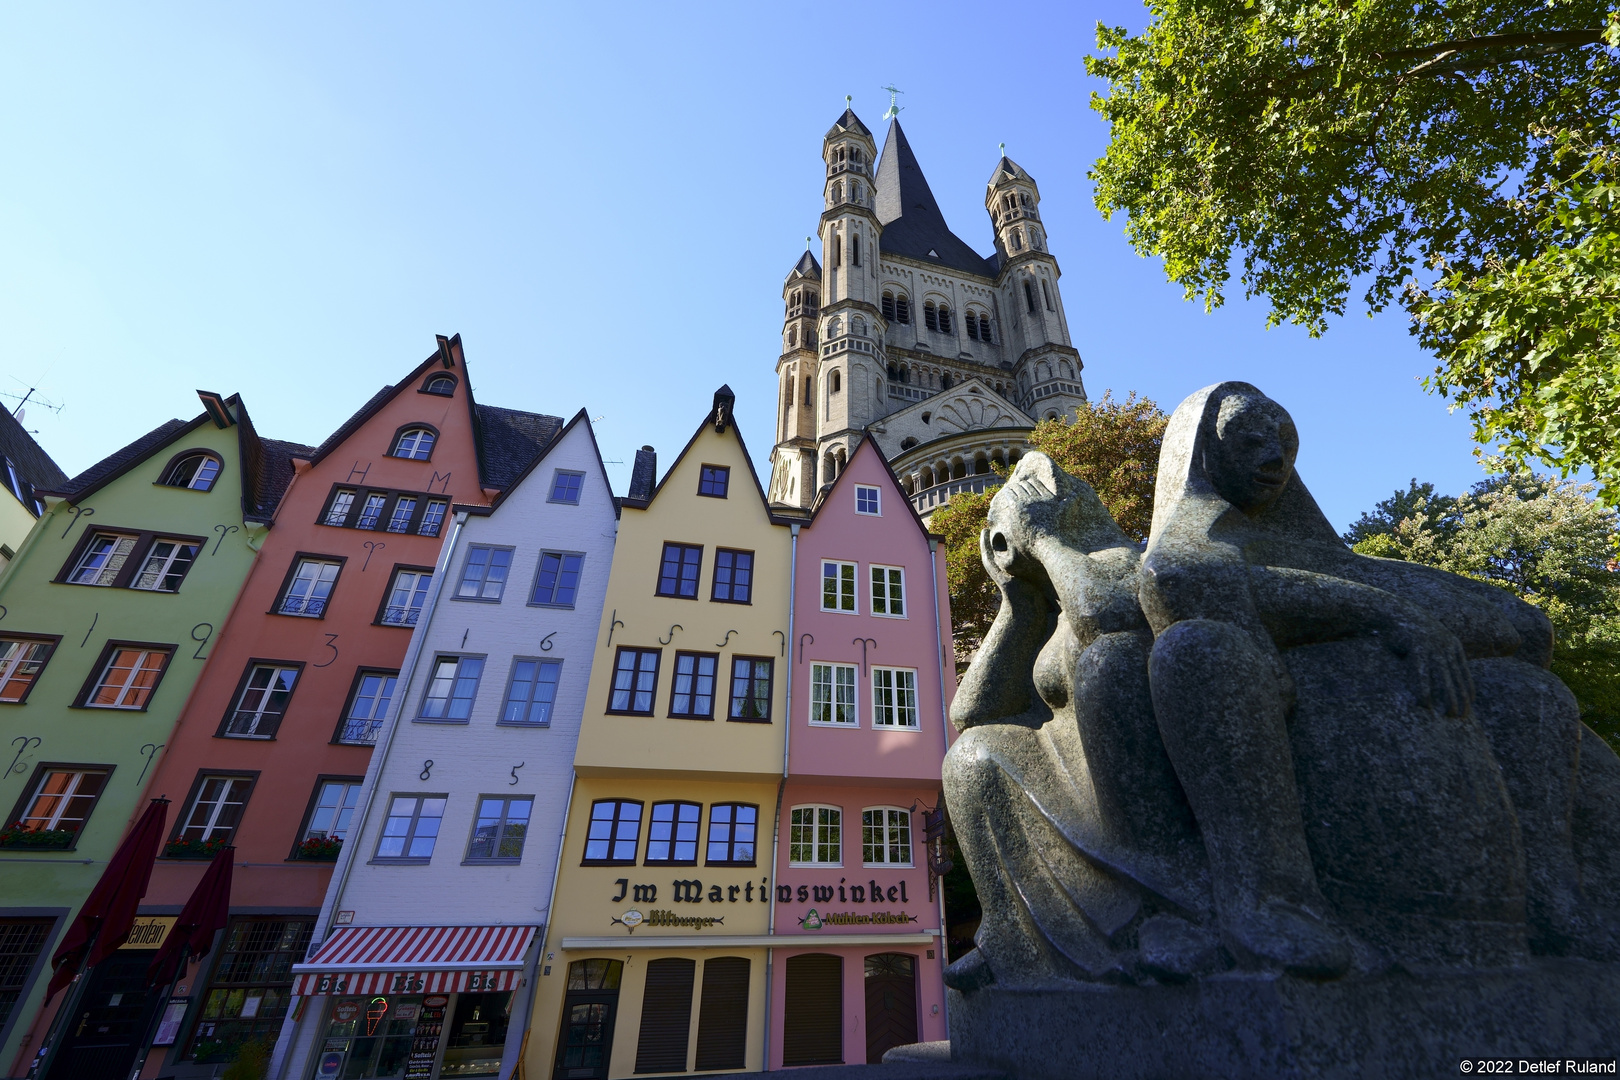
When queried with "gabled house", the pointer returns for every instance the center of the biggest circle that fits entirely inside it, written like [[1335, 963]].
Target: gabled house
[[25, 470]]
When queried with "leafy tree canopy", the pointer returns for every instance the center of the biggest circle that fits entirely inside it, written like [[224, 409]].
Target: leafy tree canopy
[[1459, 158]]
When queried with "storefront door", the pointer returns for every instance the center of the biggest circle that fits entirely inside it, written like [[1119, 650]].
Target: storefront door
[[891, 1003], [113, 1017], [586, 1039], [813, 1020]]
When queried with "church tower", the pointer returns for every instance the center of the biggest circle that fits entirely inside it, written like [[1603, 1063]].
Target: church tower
[[793, 463]]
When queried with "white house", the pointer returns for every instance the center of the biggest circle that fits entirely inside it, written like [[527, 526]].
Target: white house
[[428, 938]]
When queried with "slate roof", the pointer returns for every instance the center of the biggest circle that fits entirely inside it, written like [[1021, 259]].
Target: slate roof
[[508, 440], [278, 471], [119, 460], [848, 122], [27, 456], [806, 267], [913, 224], [1011, 169]]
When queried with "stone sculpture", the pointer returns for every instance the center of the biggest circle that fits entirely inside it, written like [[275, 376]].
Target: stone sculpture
[[1249, 753]]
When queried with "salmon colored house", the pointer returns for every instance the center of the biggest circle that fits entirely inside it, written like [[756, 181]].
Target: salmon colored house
[[271, 747]]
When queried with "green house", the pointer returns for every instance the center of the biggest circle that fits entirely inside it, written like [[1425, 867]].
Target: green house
[[107, 615]]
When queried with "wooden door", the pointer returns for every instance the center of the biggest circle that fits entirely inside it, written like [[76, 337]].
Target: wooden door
[[891, 1003], [813, 1010], [114, 1014], [585, 1041]]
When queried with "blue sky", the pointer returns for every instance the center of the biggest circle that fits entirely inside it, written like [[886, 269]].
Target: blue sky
[[289, 202]]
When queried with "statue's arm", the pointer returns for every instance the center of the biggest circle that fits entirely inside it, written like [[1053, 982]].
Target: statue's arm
[[999, 688]]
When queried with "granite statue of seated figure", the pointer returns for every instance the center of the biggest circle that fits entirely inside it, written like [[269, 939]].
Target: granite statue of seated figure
[[1250, 747]]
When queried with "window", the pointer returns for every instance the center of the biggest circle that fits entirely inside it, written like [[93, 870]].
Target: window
[[557, 582], [566, 486], [502, 824], [329, 819], [866, 499], [402, 605], [262, 700], [672, 833], [714, 481], [251, 987], [944, 319], [678, 574], [373, 693], [532, 692], [894, 697], [195, 471], [60, 801], [309, 587], [165, 566], [750, 688], [855, 249], [400, 520], [1046, 294], [984, 328], [930, 316], [838, 250], [614, 831], [809, 388], [886, 837], [692, 692], [415, 443], [102, 558], [484, 576], [371, 512], [838, 586], [412, 827], [215, 809], [815, 836], [732, 828], [128, 676], [21, 942], [733, 576], [902, 309], [888, 591], [451, 688], [832, 694], [1029, 294], [21, 661], [972, 323], [337, 513], [888, 306], [443, 385], [635, 680], [432, 517]]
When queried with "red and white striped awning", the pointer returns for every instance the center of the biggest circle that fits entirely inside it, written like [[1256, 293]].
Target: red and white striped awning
[[415, 960]]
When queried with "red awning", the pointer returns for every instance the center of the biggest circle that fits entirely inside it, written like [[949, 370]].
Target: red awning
[[415, 960]]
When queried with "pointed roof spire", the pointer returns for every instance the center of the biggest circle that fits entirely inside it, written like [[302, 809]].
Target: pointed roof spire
[[1008, 169], [806, 267], [913, 224], [848, 122]]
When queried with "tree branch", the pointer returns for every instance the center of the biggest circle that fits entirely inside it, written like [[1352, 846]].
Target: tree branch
[[1497, 41]]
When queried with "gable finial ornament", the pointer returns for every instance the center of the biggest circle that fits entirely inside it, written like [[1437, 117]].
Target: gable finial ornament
[[894, 109], [1003, 149]]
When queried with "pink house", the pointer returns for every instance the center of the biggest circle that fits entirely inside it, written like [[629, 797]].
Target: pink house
[[872, 679]]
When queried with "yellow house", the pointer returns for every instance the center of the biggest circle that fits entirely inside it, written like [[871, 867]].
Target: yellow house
[[655, 959]]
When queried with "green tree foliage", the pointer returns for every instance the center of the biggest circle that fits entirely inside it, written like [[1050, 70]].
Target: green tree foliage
[[1317, 143], [1111, 445], [1546, 541]]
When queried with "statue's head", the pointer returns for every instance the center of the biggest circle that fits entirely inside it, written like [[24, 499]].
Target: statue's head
[[1040, 499], [1251, 458]]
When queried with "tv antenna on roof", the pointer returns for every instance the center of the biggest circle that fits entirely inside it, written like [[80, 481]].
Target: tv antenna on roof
[[894, 109], [23, 399]]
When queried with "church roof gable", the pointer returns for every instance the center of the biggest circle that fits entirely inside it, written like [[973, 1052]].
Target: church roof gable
[[913, 225]]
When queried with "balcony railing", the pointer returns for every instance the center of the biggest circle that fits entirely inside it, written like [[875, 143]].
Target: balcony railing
[[930, 499], [360, 732], [401, 616], [245, 723], [303, 605]]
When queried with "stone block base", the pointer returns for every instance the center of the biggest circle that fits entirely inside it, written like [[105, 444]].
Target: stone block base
[[1389, 1027]]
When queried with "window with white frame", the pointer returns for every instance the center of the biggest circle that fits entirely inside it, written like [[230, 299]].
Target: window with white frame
[[886, 837], [128, 678], [501, 827], [195, 471], [451, 688], [165, 565], [414, 443], [262, 701], [404, 508], [866, 499], [21, 661], [816, 836], [368, 706], [432, 517], [837, 586], [532, 692], [832, 694], [102, 558], [62, 800], [334, 809], [371, 512], [342, 503], [412, 827], [216, 809], [406, 595], [309, 588], [889, 591], [894, 697]]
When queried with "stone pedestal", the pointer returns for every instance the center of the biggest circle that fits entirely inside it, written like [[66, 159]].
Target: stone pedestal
[[1263, 1026]]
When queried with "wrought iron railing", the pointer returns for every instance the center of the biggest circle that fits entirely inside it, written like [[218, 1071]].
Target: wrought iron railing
[[303, 605], [401, 616], [360, 732]]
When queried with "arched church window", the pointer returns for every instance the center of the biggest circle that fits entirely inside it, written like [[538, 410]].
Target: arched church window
[[1023, 197], [838, 252], [930, 316], [837, 383], [945, 381], [838, 191], [1063, 366], [858, 326], [809, 390], [809, 339], [902, 309], [972, 326], [888, 306], [793, 336], [1017, 236], [1029, 296], [835, 327], [984, 327], [855, 248], [944, 319], [1047, 293], [893, 373]]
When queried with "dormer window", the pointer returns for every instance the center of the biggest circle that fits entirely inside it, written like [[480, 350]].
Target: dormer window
[[415, 443], [443, 385], [196, 471]]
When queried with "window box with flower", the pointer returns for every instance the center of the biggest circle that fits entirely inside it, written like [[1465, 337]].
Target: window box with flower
[[321, 848], [193, 849], [18, 835]]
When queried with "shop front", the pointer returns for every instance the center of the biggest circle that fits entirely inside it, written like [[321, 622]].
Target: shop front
[[415, 1003]]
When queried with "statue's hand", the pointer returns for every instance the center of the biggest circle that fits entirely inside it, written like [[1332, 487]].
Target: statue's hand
[[1438, 662], [1025, 518]]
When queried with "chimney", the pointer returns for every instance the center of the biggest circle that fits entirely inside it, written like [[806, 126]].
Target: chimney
[[644, 477]]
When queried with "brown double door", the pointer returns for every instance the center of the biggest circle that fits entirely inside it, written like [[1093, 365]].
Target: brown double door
[[891, 1003]]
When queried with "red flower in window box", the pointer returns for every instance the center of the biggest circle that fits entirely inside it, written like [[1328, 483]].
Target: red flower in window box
[[320, 848], [18, 835], [193, 849]]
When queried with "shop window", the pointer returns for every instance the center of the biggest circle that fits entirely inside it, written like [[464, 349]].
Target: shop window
[[250, 988], [556, 583], [813, 1010], [832, 694], [54, 808], [722, 1041], [750, 688], [452, 688], [372, 694], [732, 832], [886, 837], [733, 576], [412, 827], [533, 691], [477, 1035], [692, 689], [815, 836], [635, 680], [614, 832], [889, 591], [666, 1015], [21, 662], [672, 833], [387, 1036], [838, 586], [894, 698], [484, 575], [714, 481], [499, 832], [566, 486], [679, 569], [21, 941]]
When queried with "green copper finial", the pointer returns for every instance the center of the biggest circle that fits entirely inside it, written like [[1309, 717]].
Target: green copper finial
[[893, 109], [849, 100], [807, 243], [1003, 149]]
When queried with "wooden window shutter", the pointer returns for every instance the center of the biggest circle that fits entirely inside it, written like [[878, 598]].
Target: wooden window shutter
[[722, 1041], [813, 1027], [666, 1016]]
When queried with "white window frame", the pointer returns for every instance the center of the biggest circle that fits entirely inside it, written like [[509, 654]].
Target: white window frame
[[877, 498], [64, 799], [888, 581], [342, 503], [362, 730], [22, 661], [340, 823], [256, 716], [128, 686], [105, 572], [315, 580], [397, 524], [830, 701], [854, 596], [885, 830], [375, 500], [896, 708], [421, 582], [212, 825], [815, 842], [416, 436], [434, 511], [164, 564]]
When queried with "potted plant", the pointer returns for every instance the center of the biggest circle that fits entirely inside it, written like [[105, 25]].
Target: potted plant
[[192, 849], [18, 835], [320, 848]]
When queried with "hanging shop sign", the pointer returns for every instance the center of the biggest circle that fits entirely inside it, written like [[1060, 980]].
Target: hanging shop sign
[[148, 931]]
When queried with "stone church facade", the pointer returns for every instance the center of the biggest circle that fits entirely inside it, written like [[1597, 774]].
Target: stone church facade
[[903, 332]]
